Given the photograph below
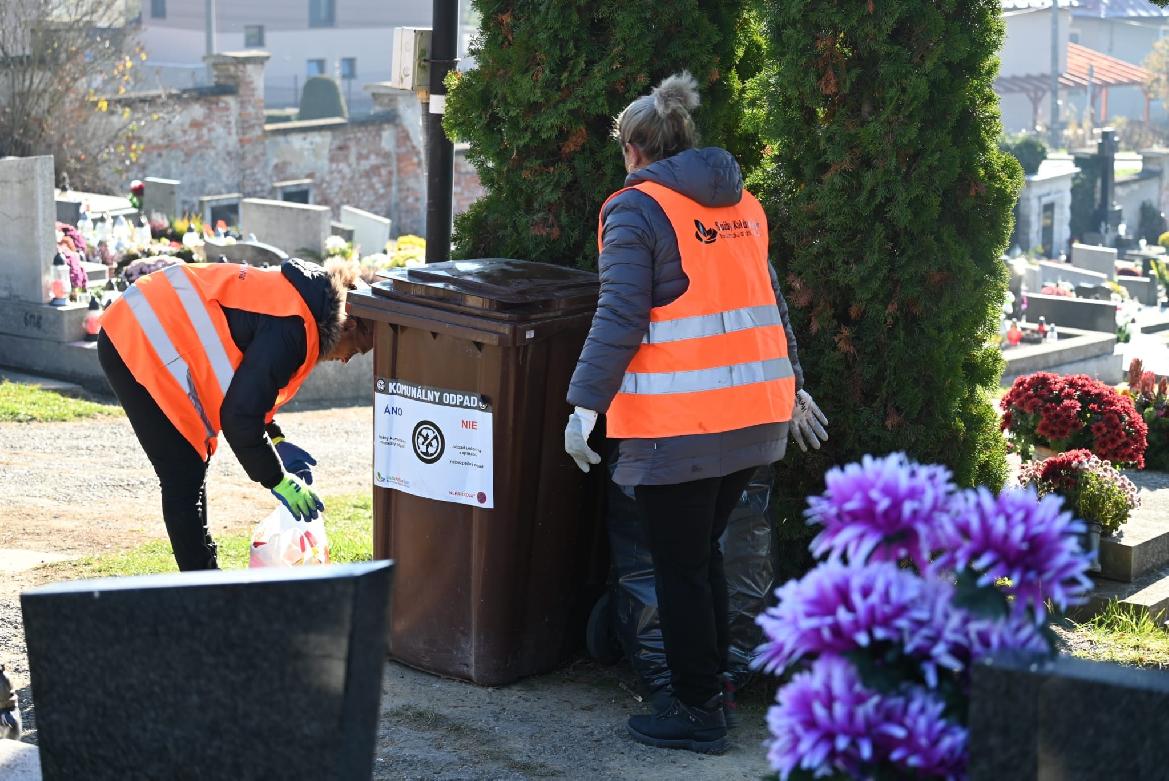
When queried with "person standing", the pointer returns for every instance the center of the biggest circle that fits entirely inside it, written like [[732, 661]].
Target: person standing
[[692, 359], [196, 349]]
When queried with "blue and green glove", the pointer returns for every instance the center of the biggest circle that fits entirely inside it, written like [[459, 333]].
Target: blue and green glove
[[298, 498], [295, 459]]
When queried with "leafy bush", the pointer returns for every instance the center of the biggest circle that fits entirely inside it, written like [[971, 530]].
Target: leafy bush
[[890, 207], [1077, 411], [1027, 149], [538, 110]]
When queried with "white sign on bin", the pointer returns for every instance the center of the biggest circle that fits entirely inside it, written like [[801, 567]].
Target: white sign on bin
[[410, 58], [433, 442]]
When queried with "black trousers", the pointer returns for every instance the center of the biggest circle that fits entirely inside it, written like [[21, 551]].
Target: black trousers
[[182, 472], [683, 524]]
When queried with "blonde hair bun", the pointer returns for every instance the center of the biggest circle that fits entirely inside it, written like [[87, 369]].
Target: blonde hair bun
[[676, 93]]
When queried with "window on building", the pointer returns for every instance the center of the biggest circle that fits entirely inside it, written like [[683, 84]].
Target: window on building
[[349, 67], [315, 68], [253, 35], [1074, 35], [322, 13], [158, 9]]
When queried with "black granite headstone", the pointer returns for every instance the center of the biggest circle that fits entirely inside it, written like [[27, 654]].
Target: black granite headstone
[[1067, 720], [245, 674]]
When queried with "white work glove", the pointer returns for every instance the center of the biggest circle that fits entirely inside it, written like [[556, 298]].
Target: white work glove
[[808, 422], [576, 438]]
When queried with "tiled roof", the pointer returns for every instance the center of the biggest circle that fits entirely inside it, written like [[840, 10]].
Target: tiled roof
[[1106, 72]]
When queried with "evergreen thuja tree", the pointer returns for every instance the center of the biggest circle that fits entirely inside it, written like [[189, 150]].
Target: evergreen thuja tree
[[890, 205], [538, 110]]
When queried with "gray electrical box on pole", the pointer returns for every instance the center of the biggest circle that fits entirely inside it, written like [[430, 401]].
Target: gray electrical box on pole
[[1055, 46]]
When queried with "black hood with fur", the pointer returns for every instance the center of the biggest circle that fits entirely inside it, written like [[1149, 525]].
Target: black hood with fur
[[324, 300]]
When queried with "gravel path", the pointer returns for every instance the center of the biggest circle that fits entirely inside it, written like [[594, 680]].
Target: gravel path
[[85, 488]]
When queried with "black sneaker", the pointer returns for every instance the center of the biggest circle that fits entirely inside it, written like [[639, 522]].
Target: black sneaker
[[730, 708], [695, 728]]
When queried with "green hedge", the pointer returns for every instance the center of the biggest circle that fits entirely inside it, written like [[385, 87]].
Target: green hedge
[[890, 205], [538, 110]]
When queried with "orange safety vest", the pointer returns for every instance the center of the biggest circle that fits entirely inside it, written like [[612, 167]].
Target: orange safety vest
[[170, 330], [715, 359]]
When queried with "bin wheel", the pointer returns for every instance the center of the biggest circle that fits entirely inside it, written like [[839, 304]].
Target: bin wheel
[[600, 637]]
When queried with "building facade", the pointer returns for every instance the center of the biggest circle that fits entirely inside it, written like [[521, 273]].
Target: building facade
[[346, 39]]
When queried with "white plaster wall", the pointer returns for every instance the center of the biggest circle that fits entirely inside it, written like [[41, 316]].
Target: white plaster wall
[[1036, 194]]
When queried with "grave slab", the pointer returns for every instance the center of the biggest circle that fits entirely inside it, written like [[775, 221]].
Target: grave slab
[[28, 205], [41, 321], [160, 196], [19, 761], [1142, 545], [1147, 594], [1075, 352], [1142, 289], [1067, 720], [296, 228], [1102, 260], [245, 674], [370, 231], [1050, 272], [1073, 312]]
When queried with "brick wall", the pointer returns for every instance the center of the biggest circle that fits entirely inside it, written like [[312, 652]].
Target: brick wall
[[214, 140]]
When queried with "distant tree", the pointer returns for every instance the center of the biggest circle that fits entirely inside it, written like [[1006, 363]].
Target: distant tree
[[1157, 64], [59, 62]]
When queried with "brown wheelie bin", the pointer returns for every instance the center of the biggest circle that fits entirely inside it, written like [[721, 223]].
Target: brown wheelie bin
[[496, 533]]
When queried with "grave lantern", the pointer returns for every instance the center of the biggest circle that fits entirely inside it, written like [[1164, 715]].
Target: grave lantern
[[190, 238], [142, 235], [92, 323], [85, 228], [59, 281], [109, 294]]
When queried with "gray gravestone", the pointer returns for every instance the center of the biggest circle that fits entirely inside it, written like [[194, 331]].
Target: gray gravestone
[[1052, 272], [29, 209], [1142, 289], [1102, 260], [160, 196], [244, 674], [68, 211], [296, 228], [1067, 720], [341, 230], [1079, 313], [371, 232]]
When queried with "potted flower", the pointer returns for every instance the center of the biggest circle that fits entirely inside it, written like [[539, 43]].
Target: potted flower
[[1046, 410], [1101, 496], [1150, 397]]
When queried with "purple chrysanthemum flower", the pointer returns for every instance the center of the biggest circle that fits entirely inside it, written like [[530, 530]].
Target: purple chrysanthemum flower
[[835, 609], [1017, 536], [1015, 633], [916, 736], [881, 509], [938, 633], [824, 720]]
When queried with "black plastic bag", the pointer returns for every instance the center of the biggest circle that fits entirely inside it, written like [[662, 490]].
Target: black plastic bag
[[750, 572]]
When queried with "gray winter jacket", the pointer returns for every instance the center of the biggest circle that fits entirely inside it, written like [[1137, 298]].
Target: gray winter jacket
[[640, 270]]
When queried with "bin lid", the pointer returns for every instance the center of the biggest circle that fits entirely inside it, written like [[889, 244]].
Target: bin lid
[[501, 285]]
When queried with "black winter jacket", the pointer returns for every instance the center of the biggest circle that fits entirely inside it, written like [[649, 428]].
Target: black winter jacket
[[641, 269], [273, 348]]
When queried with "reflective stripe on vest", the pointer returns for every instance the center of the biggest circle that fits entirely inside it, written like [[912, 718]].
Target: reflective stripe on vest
[[715, 359], [171, 331]]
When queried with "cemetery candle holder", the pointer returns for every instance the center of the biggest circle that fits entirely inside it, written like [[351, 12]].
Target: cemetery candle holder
[[59, 282], [92, 323], [109, 294]]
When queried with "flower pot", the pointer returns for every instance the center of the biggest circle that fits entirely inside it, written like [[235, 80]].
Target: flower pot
[[1091, 542]]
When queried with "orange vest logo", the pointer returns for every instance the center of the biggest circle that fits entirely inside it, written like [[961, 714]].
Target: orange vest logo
[[704, 234]]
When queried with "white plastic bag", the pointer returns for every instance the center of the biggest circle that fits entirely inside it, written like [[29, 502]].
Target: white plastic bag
[[282, 541]]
